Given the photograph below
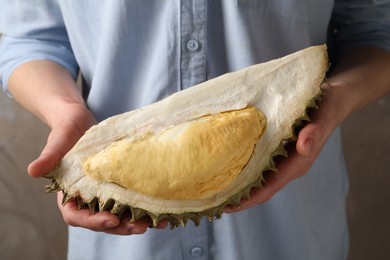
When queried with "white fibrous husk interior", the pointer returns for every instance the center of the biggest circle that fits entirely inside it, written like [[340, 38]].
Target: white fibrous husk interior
[[282, 89]]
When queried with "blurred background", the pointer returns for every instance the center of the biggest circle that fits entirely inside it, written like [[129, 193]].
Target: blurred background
[[32, 228]]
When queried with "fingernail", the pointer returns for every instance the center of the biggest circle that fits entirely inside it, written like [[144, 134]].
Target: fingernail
[[232, 208], [136, 231], [110, 224], [325, 86]]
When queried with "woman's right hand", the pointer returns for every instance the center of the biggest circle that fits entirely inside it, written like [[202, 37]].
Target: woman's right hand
[[48, 91], [66, 131]]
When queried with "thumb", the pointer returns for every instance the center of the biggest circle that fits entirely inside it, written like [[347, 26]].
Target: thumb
[[45, 162], [67, 128], [56, 147], [313, 136], [311, 139], [307, 140], [61, 139]]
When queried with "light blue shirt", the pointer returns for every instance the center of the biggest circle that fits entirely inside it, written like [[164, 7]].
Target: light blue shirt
[[133, 53]]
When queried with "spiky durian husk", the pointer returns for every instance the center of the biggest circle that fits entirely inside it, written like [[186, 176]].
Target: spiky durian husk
[[298, 77]]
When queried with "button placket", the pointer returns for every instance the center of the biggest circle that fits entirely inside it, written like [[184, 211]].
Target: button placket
[[196, 241], [193, 24]]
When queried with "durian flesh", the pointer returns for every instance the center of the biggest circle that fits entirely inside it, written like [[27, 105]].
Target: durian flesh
[[192, 160], [239, 119]]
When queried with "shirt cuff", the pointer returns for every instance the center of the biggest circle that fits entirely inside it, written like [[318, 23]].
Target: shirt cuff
[[354, 35], [17, 51]]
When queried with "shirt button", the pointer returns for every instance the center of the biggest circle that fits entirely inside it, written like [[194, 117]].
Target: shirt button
[[192, 45], [196, 251]]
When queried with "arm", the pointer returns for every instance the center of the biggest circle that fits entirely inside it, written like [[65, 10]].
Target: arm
[[48, 91], [360, 78], [37, 67]]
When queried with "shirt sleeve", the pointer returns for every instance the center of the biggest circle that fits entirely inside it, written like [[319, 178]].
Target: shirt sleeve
[[32, 30], [359, 22]]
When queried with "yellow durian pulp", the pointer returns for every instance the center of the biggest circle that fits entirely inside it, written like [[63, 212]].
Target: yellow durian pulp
[[192, 160]]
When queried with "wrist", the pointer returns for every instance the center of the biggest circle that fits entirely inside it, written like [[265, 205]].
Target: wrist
[[361, 77], [45, 88], [337, 102]]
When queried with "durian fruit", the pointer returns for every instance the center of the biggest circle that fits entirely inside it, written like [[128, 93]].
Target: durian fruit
[[196, 151]]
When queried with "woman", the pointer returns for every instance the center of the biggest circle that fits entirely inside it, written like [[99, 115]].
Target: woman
[[133, 53]]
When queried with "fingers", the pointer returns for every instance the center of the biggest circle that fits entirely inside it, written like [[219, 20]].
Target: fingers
[[127, 228], [287, 170], [102, 221]]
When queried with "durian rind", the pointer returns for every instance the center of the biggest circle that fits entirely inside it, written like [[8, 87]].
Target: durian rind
[[283, 89]]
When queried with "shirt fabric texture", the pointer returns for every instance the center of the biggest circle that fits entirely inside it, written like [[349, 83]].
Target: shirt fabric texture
[[132, 53]]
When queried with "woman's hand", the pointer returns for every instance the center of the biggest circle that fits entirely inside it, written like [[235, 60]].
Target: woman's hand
[[66, 131], [72, 121], [49, 92], [308, 146], [359, 79]]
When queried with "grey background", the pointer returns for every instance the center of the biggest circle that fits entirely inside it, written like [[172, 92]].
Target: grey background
[[32, 228]]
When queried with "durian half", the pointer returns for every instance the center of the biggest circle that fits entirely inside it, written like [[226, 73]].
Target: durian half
[[198, 150]]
